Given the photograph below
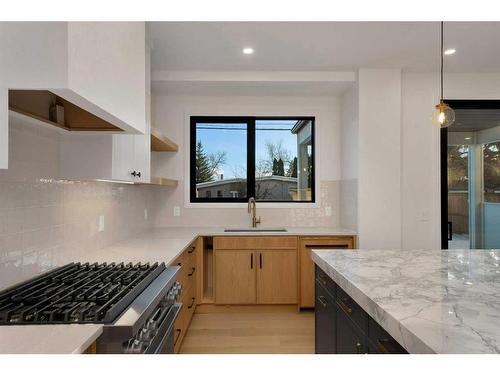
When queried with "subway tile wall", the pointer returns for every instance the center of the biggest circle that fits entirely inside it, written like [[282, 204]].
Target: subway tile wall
[[43, 221]]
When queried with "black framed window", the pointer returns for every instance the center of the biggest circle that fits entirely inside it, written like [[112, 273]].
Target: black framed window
[[268, 158]]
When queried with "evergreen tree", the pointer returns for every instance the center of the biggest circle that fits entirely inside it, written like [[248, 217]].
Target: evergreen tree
[[280, 167], [292, 169], [204, 171], [275, 167]]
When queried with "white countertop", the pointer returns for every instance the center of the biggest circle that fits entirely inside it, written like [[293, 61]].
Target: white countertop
[[430, 301], [165, 244], [158, 245], [48, 339]]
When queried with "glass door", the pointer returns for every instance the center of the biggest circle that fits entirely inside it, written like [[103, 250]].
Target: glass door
[[470, 161]]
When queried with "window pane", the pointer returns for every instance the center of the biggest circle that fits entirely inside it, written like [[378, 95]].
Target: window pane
[[283, 160], [491, 165], [221, 159]]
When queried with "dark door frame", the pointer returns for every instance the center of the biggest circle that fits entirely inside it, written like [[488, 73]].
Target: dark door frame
[[455, 104]]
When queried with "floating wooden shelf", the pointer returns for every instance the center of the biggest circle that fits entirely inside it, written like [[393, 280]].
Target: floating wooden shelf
[[163, 181], [35, 104], [161, 143]]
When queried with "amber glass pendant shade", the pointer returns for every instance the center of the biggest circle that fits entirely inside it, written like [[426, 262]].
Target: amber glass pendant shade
[[443, 116]]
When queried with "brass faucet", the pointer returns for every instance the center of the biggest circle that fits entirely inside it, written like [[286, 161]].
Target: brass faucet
[[252, 208]]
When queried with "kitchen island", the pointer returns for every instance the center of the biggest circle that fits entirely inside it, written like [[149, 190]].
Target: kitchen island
[[429, 301]]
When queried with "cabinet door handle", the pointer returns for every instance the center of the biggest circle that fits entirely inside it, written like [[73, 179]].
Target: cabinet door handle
[[322, 278], [344, 307], [359, 348], [192, 303], [385, 345], [193, 248], [260, 260], [321, 299], [251, 261], [178, 336], [193, 269]]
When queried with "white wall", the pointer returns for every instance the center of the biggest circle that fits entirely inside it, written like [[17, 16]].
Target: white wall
[[349, 159], [4, 128], [420, 195], [379, 163], [45, 222], [171, 115], [420, 187]]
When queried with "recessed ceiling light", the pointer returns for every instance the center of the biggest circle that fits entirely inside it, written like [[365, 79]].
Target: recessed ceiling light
[[248, 50], [450, 51], [467, 138]]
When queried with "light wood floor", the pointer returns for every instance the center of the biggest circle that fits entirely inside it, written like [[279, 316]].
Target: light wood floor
[[250, 329]]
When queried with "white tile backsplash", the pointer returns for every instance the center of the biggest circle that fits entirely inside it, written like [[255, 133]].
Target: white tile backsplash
[[43, 221]]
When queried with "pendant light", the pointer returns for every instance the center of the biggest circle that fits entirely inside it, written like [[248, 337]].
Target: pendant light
[[443, 115]]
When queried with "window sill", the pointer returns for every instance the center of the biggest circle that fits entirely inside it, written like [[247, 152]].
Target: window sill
[[262, 205]]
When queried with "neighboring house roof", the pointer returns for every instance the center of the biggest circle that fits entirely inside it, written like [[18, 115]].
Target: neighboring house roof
[[299, 125], [236, 180]]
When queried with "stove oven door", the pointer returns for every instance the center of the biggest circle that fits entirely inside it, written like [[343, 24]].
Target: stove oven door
[[163, 342]]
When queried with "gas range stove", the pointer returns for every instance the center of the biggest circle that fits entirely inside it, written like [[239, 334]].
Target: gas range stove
[[136, 303]]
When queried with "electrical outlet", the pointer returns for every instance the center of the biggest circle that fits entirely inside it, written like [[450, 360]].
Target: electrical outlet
[[101, 223], [145, 214], [328, 211], [177, 211], [425, 215]]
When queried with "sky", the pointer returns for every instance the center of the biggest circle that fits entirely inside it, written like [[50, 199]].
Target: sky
[[233, 140]]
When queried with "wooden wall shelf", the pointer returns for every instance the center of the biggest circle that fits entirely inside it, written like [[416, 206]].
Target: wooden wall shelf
[[161, 143], [161, 181], [36, 104]]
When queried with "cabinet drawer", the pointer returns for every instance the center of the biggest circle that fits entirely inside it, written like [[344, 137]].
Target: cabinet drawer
[[189, 304], [191, 253], [187, 273], [351, 309], [349, 338], [381, 341], [324, 321], [255, 243], [325, 281]]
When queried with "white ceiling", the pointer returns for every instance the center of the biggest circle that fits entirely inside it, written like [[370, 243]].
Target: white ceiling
[[470, 120], [323, 45]]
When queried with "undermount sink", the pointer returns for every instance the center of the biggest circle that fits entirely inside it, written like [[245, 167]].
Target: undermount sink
[[256, 230]]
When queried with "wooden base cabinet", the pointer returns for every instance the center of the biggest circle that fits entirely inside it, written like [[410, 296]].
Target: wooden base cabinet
[[256, 270], [189, 262], [306, 289], [235, 277], [277, 276]]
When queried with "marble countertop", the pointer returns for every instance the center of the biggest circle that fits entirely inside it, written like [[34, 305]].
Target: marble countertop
[[430, 301], [48, 339]]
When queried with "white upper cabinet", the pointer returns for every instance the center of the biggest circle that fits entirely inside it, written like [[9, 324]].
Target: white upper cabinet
[[104, 157], [97, 66]]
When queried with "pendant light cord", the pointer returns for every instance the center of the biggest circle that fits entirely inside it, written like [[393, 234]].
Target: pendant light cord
[[442, 53]]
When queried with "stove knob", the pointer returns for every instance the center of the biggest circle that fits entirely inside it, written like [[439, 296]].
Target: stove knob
[[145, 335], [152, 325], [171, 297]]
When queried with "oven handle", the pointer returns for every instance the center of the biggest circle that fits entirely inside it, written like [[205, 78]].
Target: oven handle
[[177, 309]]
